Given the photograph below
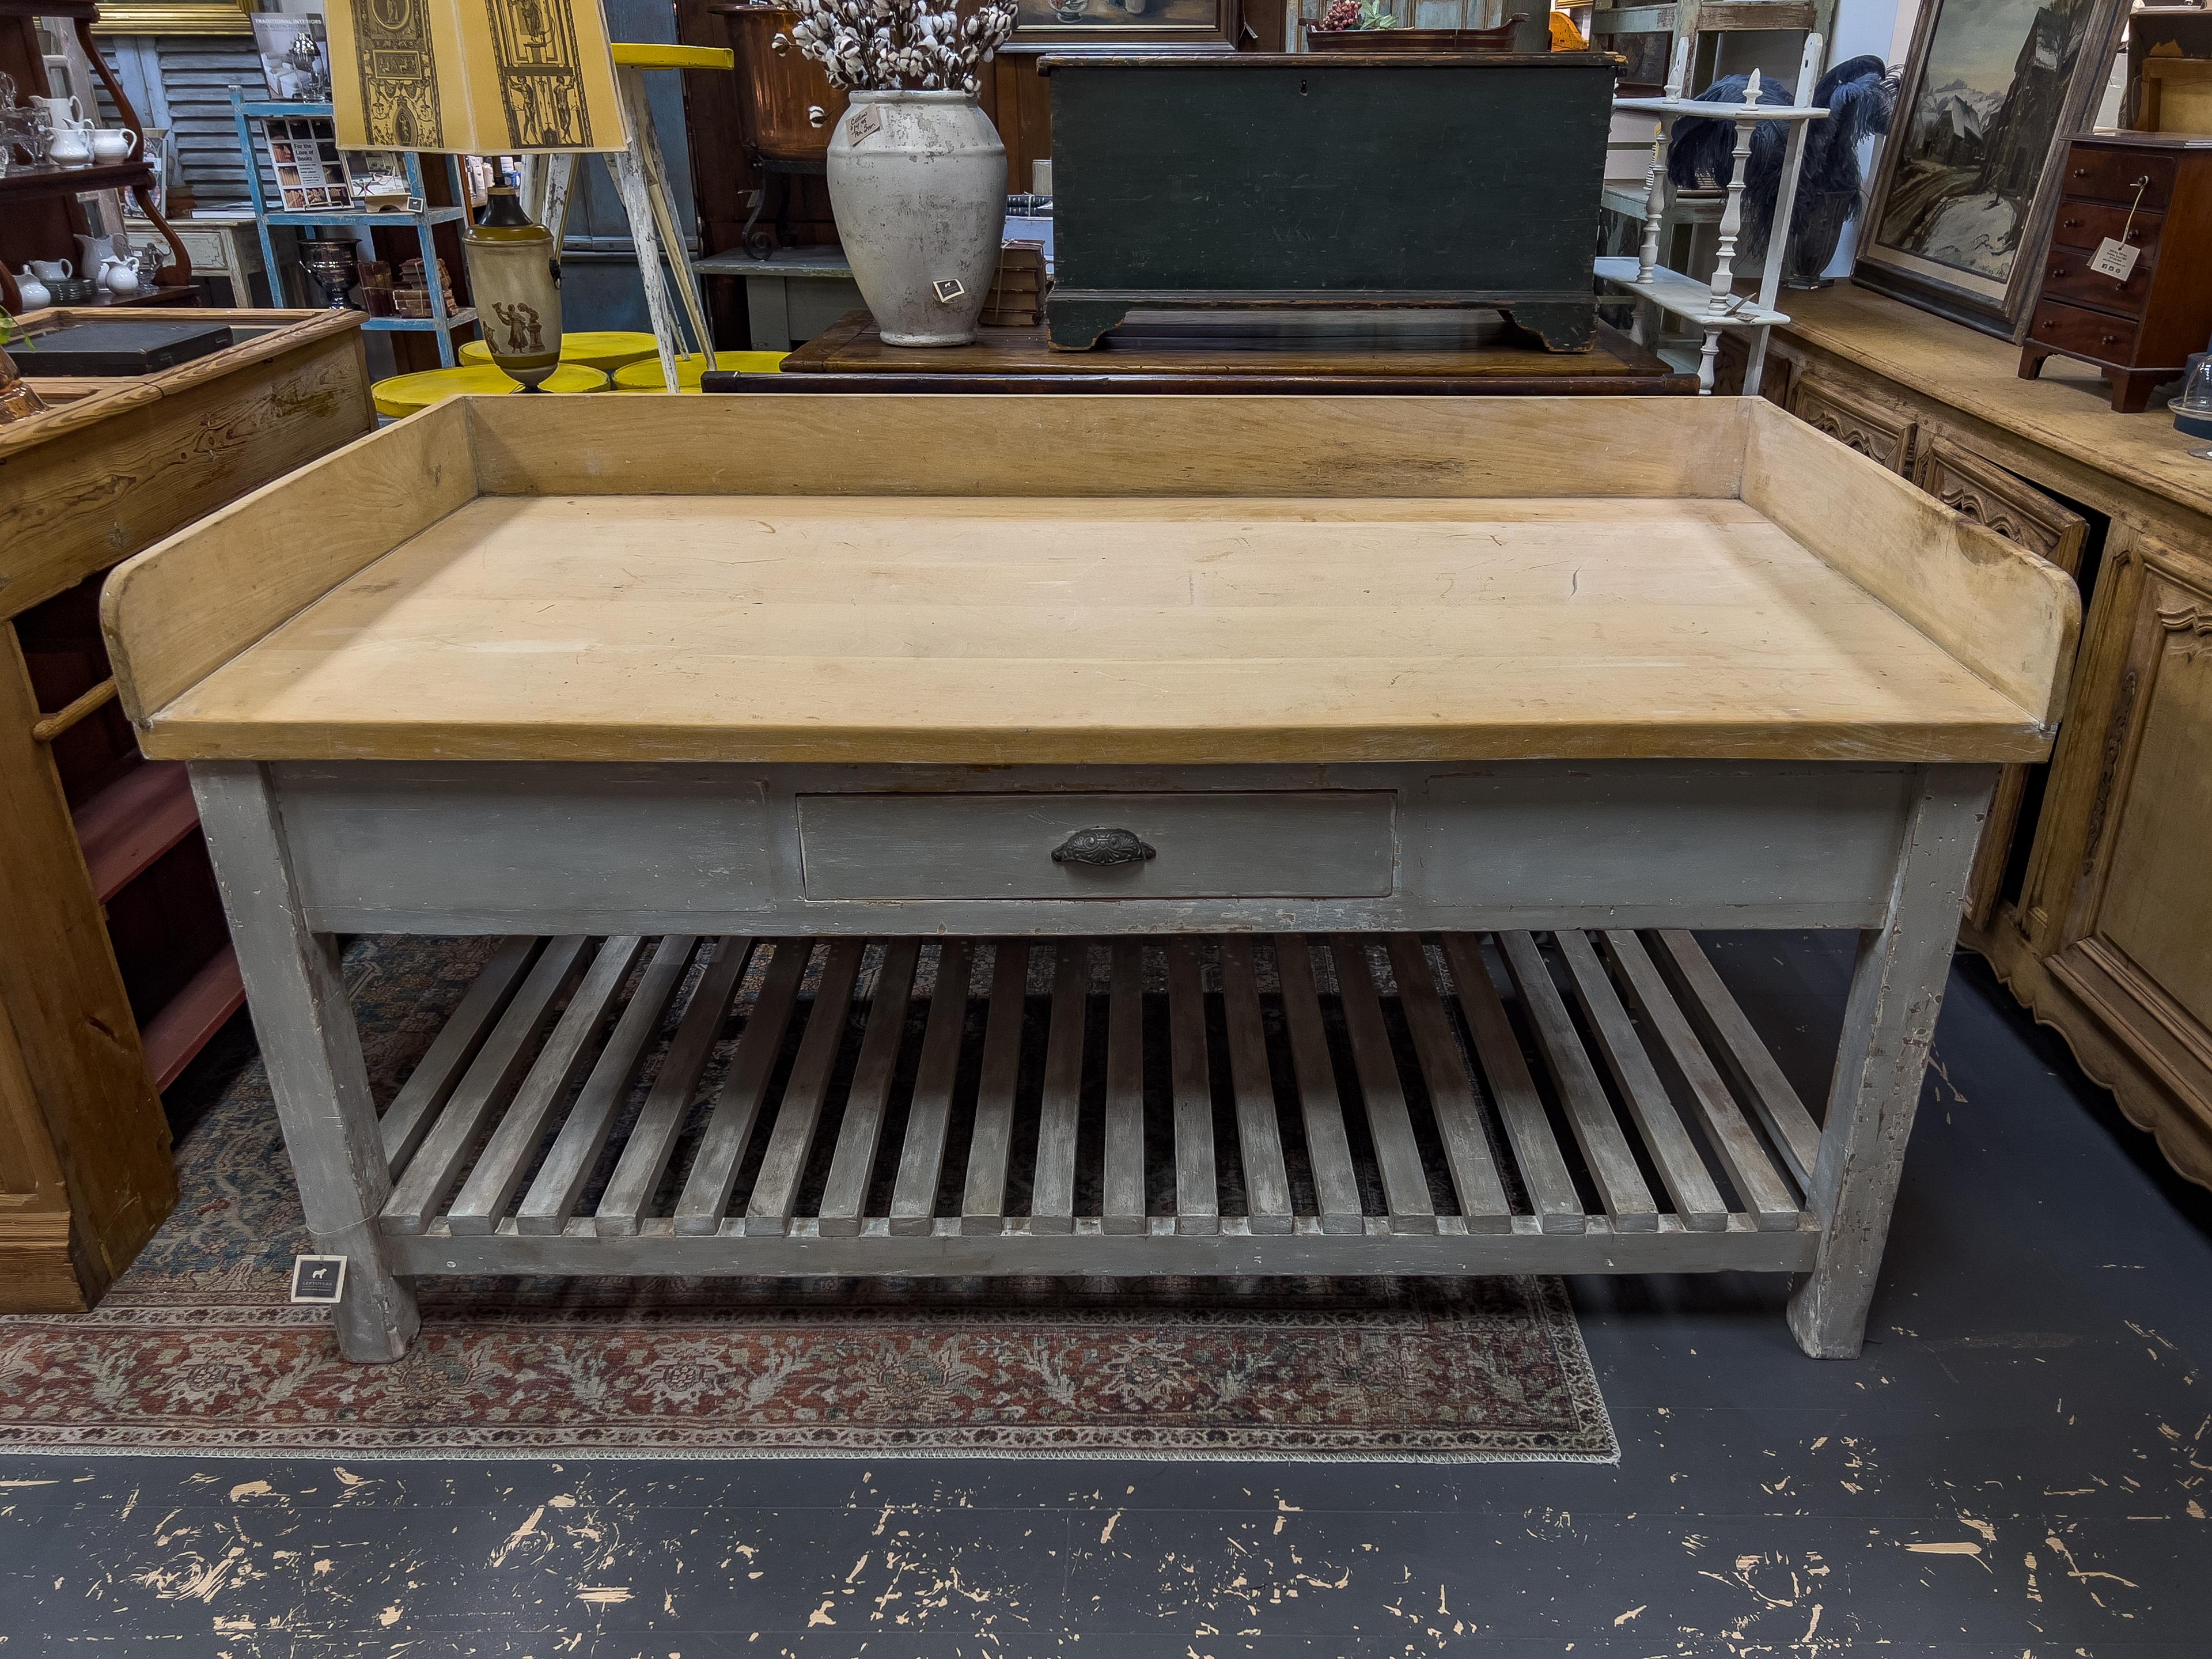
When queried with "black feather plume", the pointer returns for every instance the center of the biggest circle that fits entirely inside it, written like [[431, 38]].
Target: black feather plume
[[1861, 96]]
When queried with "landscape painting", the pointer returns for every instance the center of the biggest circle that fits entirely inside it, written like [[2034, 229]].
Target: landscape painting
[[1991, 88]]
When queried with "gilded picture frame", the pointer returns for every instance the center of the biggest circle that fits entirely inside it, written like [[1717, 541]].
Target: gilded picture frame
[[1142, 26], [175, 17], [1967, 184]]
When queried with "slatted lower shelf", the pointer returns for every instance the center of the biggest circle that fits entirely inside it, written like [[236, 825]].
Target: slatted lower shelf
[[1511, 1102]]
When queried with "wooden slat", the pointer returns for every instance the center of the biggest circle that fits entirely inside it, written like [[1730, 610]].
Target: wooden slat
[[1328, 1153], [552, 1196], [1258, 1137], [921, 1155], [565, 1057], [706, 1194], [1125, 1204], [861, 1133], [775, 1190], [1759, 1188], [1597, 1132], [645, 1155], [1452, 1094], [1404, 1184], [432, 1081], [1681, 1168], [984, 1202], [1198, 1200], [1729, 1035], [1544, 1173], [498, 1066], [1052, 1193]]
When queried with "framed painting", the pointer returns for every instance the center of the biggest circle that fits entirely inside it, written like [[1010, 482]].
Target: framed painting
[[1126, 25], [1968, 182]]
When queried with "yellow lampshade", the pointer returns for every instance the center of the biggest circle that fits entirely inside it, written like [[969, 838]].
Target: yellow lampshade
[[474, 77]]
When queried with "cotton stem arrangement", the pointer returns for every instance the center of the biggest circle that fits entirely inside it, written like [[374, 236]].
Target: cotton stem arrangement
[[890, 46]]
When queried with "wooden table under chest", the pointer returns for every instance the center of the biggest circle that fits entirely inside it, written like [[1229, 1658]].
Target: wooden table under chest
[[1316, 793]]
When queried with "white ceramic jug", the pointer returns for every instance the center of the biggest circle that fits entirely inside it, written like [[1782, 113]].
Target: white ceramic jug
[[53, 271], [62, 114], [112, 145], [118, 275], [35, 293], [69, 148], [93, 252]]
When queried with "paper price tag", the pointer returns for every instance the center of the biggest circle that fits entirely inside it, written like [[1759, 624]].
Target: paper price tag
[[865, 121], [2115, 260]]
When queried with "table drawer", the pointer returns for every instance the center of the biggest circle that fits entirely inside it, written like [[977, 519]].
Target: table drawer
[[2085, 224], [2084, 333], [2067, 275], [1258, 844], [2111, 175]]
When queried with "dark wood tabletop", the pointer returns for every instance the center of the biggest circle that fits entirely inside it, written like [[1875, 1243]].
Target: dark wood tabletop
[[1421, 353]]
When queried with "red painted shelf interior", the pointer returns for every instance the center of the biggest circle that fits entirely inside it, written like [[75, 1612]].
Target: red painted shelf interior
[[196, 1013], [123, 830], [132, 821]]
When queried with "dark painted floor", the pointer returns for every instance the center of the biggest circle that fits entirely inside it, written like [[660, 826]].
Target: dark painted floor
[[2019, 1467]]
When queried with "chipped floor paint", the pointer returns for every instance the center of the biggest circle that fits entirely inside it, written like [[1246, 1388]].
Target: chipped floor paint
[[2018, 1469]]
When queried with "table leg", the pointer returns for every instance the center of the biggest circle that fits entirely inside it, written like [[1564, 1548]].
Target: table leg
[[1889, 1026], [305, 1024]]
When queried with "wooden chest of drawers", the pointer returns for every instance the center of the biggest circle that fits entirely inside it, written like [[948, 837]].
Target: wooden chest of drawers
[[2153, 192]]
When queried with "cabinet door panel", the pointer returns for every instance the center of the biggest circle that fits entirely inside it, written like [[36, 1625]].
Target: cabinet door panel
[[2156, 903], [2137, 951], [1874, 431]]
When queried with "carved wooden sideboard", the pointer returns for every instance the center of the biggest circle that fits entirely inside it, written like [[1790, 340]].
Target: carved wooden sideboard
[[2093, 894]]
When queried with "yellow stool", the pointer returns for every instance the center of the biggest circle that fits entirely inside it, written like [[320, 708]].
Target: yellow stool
[[645, 376], [601, 348], [403, 394]]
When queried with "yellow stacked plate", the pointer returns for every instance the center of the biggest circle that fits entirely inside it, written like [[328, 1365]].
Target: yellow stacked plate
[[646, 376], [403, 394], [602, 349]]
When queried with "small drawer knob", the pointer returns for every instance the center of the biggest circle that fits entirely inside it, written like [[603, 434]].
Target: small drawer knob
[[1103, 846], [2110, 339], [816, 115], [781, 46]]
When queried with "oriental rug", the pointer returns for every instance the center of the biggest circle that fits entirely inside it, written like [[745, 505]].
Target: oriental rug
[[197, 1350]]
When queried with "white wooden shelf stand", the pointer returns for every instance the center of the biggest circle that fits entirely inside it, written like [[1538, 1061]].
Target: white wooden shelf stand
[[1714, 308]]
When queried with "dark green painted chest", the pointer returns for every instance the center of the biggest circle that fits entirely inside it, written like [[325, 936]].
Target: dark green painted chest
[[1261, 180]]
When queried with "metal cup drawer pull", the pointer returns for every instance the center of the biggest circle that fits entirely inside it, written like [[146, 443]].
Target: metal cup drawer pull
[[1103, 847]]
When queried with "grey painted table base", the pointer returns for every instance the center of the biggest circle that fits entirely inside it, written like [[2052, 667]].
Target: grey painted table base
[[1618, 1116]]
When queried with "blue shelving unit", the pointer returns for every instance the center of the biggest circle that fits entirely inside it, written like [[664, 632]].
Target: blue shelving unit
[[439, 322]]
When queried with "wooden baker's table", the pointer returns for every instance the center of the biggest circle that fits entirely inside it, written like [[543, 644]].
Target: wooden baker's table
[[1426, 353], [1234, 726]]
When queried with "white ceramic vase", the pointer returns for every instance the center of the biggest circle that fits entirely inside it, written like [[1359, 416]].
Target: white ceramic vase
[[918, 182]]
